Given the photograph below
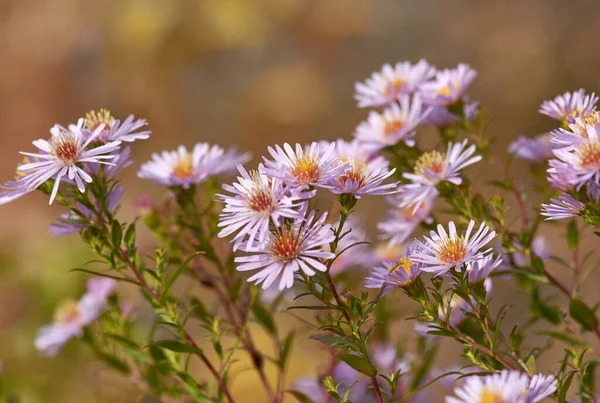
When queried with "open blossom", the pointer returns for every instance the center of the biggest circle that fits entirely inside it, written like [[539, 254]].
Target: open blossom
[[570, 105], [303, 166], [403, 221], [440, 116], [255, 203], [504, 387], [390, 83], [395, 124], [433, 167], [359, 179], [73, 316], [287, 250], [536, 149], [183, 168], [71, 223], [442, 250], [448, 86], [394, 274], [577, 131], [565, 206], [582, 160], [356, 151], [114, 130], [60, 158]]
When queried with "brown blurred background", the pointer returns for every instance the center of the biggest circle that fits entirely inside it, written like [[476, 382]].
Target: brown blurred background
[[245, 72]]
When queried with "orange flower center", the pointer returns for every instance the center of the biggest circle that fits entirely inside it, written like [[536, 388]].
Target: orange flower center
[[68, 312], [306, 170], [451, 250], [394, 88], [432, 161], [589, 155], [184, 169], [285, 245], [393, 127], [489, 396]]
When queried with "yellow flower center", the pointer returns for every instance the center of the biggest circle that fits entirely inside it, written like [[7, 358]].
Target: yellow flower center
[[451, 250], [93, 119], [306, 170], [357, 174], [489, 396], [184, 169], [394, 88], [64, 147], [432, 161], [285, 245], [68, 312], [579, 127], [405, 264]]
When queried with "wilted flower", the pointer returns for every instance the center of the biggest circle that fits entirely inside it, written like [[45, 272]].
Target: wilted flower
[[395, 124], [448, 86], [303, 166], [61, 156], [72, 316], [257, 201], [570, 105], [504, 387], [391, 83], [287, 250], [112, 129], [443, 251], [536, 149], [183, 168], [565, 206]]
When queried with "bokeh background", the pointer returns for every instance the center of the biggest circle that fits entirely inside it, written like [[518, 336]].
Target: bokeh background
[[249, 73]]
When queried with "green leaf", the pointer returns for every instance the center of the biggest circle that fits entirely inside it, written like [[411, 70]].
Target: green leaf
[[537, 264], [130, 236], [286, 348], [116, 233], [263, 317], [123, 340], [565, 384], [583, 314], [333, 341], [358, 363], [178, 347], [572, 235], [169, 283], [530, 363], [95, 273]]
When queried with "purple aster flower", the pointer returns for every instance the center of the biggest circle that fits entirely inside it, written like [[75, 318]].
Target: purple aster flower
[[287, 250], [448, 86], [440, 116], [578, 130], [13, 190], [59, 158], [536, 149], [433, 167], [582, 160], [359, 179], [303, 166], [403, 221], [394, 274], [396, 123], [383, 252], [570, 105], [479, 270], [113, 130], [564, 207], [442, 250], [255, 203], [71, 223], [183, 168], [561, 176], [72, 316], [391, 83], [504, 387], [356, 151]]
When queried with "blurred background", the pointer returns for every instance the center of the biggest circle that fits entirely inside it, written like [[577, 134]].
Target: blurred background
[[249, 73]]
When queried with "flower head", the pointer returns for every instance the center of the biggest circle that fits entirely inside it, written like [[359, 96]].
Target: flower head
[[359, 179], [448, 86], [536, 149], [355, 150], [570, 105], [581, 160], [504, 387], [287, 250], [72, 316], [396, 123], [394, 274], [565, 206], [112, 129], [391, 83], [62, 156], [443, 250], [441, 116], [183, 168], [256, 202], [303, 166]]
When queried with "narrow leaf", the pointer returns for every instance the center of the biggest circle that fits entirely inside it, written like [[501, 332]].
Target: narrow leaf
[[583, 314], [359, 364]]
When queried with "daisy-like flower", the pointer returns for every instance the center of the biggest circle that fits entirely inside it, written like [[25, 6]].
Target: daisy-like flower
[[255, 203], [536, 149], [565, 206], [578, 130], [72, 316], [183, 168], [433, 167], [448, 86], [403, 221], [394, 274], [442, 250], [396, 123], [390, 83], [504, 387], [113, 129], [359, 179], [71, 223], [303, 166], [480, 269], [582, 160], [288, 250], [62, 155], [570, 105]]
